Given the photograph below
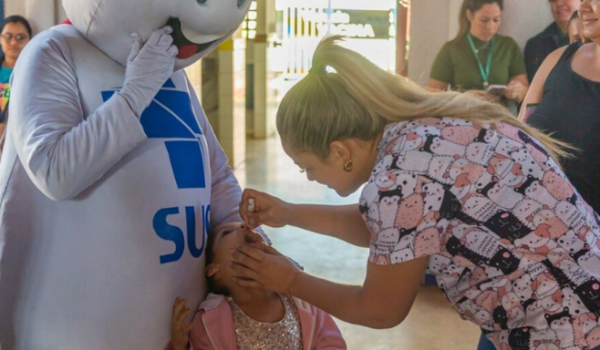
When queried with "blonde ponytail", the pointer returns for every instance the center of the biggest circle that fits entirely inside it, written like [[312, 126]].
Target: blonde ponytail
[[359, 99]]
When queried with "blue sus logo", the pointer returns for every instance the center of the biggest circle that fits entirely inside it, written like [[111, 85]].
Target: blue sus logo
[[175, 234], [170, 117]]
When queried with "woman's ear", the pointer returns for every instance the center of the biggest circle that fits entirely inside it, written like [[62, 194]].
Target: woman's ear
[[470, 16], [211, 270], [340, 149]]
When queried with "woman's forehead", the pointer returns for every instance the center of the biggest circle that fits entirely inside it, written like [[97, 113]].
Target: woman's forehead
[[14, 27], [489, 10], [296, 154]]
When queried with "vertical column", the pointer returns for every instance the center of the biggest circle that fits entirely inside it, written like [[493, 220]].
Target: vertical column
[[263, 115], [402, 36], [60, 12], [260, 70], [232, 106], [194, 74]]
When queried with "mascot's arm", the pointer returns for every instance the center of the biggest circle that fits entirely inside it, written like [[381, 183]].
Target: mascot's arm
[[226, 192], [63, 152]]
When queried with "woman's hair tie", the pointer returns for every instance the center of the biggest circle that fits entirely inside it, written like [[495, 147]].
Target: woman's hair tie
[[318, 69]]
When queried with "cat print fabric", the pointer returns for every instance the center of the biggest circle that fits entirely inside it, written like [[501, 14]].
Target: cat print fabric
[[512, 244]]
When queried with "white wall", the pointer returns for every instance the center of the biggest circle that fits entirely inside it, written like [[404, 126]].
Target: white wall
[[42, 14], [433, 22]]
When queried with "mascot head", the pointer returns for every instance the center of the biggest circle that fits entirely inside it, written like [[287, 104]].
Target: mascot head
[[199, 25]]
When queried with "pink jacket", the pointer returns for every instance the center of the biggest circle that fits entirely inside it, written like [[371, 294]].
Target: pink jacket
[[213, 327]]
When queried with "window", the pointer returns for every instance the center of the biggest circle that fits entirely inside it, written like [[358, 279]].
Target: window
[[249, 30]]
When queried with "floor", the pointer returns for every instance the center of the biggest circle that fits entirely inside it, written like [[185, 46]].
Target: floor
[[432, 324]]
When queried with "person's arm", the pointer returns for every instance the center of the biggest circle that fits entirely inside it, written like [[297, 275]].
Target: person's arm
[[64, 151], [442, 71], [393, 274], [437, 85], [383, 301], [340, 221], [517, 86], [225, 189], [536, 90]]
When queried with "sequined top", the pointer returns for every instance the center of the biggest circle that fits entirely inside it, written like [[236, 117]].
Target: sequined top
[[254, 335]]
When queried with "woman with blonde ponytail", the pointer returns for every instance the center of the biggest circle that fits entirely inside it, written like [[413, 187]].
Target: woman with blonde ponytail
[[453, 185]]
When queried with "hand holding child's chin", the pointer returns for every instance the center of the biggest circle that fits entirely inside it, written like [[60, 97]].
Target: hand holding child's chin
[[264, 268]]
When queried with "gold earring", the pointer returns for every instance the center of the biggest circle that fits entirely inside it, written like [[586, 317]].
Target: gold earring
[[348, 166]]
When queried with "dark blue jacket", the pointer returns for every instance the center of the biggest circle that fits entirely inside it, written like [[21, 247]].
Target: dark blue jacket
[[540, 46]]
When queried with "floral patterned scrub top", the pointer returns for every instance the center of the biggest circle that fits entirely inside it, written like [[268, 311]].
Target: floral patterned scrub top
[[512, 244]]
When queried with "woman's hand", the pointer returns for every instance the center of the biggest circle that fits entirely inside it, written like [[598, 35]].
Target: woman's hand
[[264, 268], [515, 91], [179, 331], [268, 210]]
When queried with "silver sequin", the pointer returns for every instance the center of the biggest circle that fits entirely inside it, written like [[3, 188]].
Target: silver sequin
[[254, 335]]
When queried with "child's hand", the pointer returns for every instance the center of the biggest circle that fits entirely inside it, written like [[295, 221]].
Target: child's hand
[[179, 331]]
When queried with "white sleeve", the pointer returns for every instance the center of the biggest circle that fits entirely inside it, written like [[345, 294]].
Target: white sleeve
[[63, 151], [226, 193]]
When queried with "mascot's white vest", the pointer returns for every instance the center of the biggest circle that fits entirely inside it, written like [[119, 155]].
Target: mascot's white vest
[[101, 231]]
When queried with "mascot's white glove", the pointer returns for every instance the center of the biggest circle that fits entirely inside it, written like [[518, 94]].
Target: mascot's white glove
[[148, 68]]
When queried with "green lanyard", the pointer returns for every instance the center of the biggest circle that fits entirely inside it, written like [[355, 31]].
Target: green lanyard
[[485, 75]]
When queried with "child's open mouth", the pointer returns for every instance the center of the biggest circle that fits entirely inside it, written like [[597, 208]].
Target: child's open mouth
[[253, 238]]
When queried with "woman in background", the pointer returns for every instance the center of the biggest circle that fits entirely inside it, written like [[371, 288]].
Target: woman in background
[[16, 33], [479, 57], [564, 100]]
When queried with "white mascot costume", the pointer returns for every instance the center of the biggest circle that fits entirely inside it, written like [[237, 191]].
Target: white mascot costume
[[110, 176]]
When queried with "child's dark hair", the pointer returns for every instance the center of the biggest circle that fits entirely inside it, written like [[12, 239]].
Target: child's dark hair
[[18, 19], [212, 284]]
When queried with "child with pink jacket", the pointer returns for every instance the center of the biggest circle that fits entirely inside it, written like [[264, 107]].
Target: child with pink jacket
[[238, 318]]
